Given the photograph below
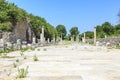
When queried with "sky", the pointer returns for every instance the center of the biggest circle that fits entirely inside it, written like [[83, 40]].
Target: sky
[[84, 14]]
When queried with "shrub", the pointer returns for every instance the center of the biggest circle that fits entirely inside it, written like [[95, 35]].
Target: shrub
[[22, 73]]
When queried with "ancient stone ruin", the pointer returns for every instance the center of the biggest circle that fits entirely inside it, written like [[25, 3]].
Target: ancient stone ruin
[[20, 33]]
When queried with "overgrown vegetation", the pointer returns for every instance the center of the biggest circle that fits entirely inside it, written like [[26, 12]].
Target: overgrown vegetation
[[22, 72], [117, 46], [44, 49], [17, 60], [14, 65], [10, 14], [35, 58]]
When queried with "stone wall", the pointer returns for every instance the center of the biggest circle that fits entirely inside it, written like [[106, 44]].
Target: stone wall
[[21, 30], [104, 41]]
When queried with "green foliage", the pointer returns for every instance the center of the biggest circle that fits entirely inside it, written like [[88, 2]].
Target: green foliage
[[17, 60], [38, 49], [21, 53], [14, 65], [61, 31], [117, 46], [22, 73], [105, 29], [25, 57], [10, 14], [35, 58], [5, 56], [74, 32], [44, 49], [89, 34], [24, 49], [37, 22]]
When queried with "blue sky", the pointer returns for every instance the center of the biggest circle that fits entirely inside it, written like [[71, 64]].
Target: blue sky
[[85, 14]]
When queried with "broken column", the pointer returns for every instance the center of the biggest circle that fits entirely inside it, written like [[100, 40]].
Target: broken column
[[19, 44], [42, 38]]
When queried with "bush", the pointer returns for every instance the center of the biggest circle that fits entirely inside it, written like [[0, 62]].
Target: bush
[[22, 73]]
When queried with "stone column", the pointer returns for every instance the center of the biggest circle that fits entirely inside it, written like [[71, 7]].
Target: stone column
[[34, 40], [48, 40], [42, 39], [19, 44], [94, 35], [43, 31]]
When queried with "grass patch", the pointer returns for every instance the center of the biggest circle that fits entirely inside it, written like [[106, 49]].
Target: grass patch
[[38, 49], [17, 60], [22, 73], [21, 53], [117, 46], [5, 56], [14, 65], [35, 58], [44, 49]]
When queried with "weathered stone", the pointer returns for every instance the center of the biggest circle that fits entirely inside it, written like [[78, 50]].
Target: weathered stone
[[19, 44], [34, 40], [48, 40]]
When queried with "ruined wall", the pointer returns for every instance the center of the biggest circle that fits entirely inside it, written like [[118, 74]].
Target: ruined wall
[[112, 41], [21, 31]]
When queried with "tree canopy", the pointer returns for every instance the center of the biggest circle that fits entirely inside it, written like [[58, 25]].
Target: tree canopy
[[10, 14], [61, 30], [74, 32]]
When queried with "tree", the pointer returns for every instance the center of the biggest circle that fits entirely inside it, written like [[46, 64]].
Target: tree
[[37, 22], [74, 32], [105, 29], [108, 28], [89, 34], [61, 30], [117, 30]]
